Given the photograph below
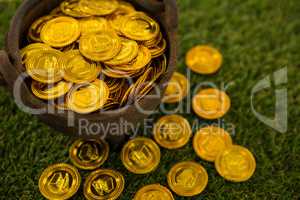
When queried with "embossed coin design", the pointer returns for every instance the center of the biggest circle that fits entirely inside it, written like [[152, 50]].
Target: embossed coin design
[[104, 184], [236, 164], [59, 181], [172, 131], [154, 192], [211, 103], [60, 31], [210, 141], [138, 26], [204, 59], [45, 66], [89, 97], [100, 46], [177, 89], [141, 155], [78, 69], [187, 179], [98, 7], [89, 154]]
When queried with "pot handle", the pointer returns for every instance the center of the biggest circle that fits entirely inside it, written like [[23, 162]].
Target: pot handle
[[8, 73]]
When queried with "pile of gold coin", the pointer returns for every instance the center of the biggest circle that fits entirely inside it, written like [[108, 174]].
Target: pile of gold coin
[[94, 55]]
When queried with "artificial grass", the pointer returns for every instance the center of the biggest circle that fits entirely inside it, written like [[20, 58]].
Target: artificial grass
[[256, 38]]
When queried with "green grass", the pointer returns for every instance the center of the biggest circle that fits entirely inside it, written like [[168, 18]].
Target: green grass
[[256, 37]]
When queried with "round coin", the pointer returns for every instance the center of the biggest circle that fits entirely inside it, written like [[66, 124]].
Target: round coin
[[89, 154], [45, 66], [47, 92], [60, 31], [36, 27], [155, 191], [93, 25], [211, 103], [141, 155], [172, 131], [210, 141], [32, 49], [100, 46], [103, 184], [204, 59], [98, 7], [138, 26], [71, 8], [129, 51], [59, 181], [177, 89], [78, 69], [187, 179], [89, 97], [236, 164]]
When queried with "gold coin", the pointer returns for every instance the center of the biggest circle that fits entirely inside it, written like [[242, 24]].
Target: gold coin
[[103, 184], [101, 46], [236, 164], [154, 191], [59, 181], [177, 89], [142, 59], [211, 103], [45, 66], [71, 8], [36, 27], [159, 49], [32, 49], [172, 131], [89, 97], [60, 31], [138, 26], [89, 154], [98, 7], [78, 69], [141, 155], [129, 51], [47, 92], [210, 141], [187, 179], [93, 25], [116, 18], [204, 59]]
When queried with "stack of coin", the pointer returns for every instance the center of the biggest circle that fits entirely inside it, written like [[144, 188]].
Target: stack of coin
[[84, 42]]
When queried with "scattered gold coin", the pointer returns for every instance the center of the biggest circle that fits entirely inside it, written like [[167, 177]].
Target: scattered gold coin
[[172, 131], [187, 179], [236, 164], [60, 31], [204, 59], [210, 141], [141, 155], [177, 89], [89, 97], [89, 154], [59, 181], [211, 103], [103, 184], [154, 191]]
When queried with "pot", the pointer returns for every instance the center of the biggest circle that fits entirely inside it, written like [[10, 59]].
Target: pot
[[11, 68]]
